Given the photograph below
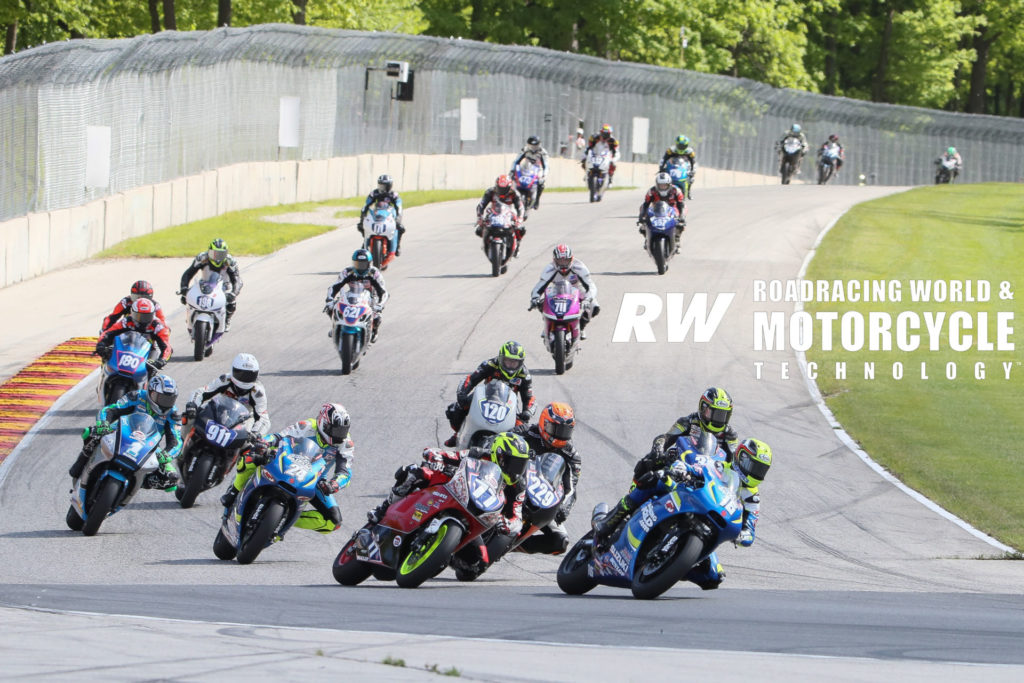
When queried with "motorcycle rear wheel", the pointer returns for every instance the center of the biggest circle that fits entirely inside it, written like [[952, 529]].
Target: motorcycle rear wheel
[[197, 480], [73, 521], [262, 535], [558, 349], [222, 547], [101, 506], [431, 558], [199, 335], [348, 570], [650, 581], [572, 575]]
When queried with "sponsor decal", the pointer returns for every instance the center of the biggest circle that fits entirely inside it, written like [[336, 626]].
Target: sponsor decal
[[647, 517], [397, 541]]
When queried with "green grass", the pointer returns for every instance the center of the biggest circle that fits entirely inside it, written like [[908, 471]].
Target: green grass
[[393, 661], [247, 234], [955, 441]]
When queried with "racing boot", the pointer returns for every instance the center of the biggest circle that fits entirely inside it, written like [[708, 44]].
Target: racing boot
[[707, 574], [228, 499], [398, 247], [605, 529], [76, 469], [479, 230]]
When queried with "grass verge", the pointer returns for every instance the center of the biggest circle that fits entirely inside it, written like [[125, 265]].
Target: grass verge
[[247, 234], [957, 441]]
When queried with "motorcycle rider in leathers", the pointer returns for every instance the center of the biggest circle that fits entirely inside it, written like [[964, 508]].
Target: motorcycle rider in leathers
[[140, 290], [330, 431], [794, 132], [553, 434], [504, 191], [607, 137], [384, 192], [361, 270], [510, 452], [143, 320], [508, 366], [216, 259], [663, 190], [564, 266], [538, 156], [682, 149], [243, 386], [156, 400]]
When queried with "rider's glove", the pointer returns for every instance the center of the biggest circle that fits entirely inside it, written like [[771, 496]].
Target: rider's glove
[[102, 350], [159, 363], [594, 311], [258, 453], [746, 537], [230, 296], [510, 527], [190, 410], [328, 486], [536, 301], [328, 306], [377, 308], [679, 471], [650, 479], [184, 299], [524, 416], [433, 459]]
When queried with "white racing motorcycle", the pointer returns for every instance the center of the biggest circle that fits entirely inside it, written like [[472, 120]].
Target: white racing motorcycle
[[352, 321], [492, 409], [206, 302]]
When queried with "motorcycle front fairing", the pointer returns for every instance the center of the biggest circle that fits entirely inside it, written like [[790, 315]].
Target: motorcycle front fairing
[[128, 454], [207, 301]]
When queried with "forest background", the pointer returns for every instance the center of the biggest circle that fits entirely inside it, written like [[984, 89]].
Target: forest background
[[957, 55]]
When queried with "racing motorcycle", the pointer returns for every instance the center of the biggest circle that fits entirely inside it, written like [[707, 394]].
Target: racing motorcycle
[[380, 228], [352, 321], [212, 446], [678, 167], [562, 312], [944, 174], [421, 532], [527, 179], [662, 219], [125, 460], [501, 243], [544, 495], [206, 302], [599, 160], [271, 501], [493, 408], [125, 366], [791, 147], [664, 538], [827, 163]]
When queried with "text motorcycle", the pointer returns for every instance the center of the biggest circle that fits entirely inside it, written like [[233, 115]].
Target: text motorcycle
[[212, 446], [493, 408], [790, 150], [678, 168], [827, 163], [562, 312], [599, 160], [527, 179], [206, 302], [499, 234], [352, 321], [125, 369], [662, 219], [380, 228]]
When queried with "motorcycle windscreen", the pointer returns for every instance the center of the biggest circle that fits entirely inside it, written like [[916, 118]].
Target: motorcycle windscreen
[[209, 282], [299, 464], [543, 480], [131, 350], [219, 417], [139, 435], [483, 477]]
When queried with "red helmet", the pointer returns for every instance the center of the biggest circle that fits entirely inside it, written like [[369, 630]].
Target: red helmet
[[503, 184], [556, 424], [142, 290], [833, 138], [563, 258], [143, 312]]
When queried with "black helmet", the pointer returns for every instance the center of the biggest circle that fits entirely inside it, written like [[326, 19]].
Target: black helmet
[[385, 183], [361, 261], [533, 143]]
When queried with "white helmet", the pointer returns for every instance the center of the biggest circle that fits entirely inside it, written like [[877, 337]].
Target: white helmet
[[244, 371], [663, 183]]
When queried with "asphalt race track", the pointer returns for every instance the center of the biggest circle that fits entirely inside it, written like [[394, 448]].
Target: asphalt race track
[[844, 564]]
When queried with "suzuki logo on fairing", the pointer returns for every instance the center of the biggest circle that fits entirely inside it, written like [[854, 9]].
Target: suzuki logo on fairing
[[639, 310]]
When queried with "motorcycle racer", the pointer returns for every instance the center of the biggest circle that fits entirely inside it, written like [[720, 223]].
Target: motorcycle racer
[[330, 431], [752, 460], [563, 267], [143, 320], [361, 270], [553, 434], [509, 367], [682, 149], [156, 400], [141, 289], [538, 156], [505, 192], [216, 259], [833, 139], [243, 386], [606, 136], [794, 132], [384, 192], [663, 190], [950, 154]]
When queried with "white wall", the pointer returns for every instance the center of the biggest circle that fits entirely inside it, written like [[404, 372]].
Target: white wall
[[38, 243]]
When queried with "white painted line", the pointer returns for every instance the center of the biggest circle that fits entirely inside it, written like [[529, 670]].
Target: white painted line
[[812, 389], [8, 462]]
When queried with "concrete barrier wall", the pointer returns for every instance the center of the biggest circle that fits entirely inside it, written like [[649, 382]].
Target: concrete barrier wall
[[38, 243]]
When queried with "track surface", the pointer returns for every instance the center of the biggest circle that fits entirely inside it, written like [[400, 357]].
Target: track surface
[[844, 563]]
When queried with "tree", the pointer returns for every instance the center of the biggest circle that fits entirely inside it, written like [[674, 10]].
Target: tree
[[223, 12]]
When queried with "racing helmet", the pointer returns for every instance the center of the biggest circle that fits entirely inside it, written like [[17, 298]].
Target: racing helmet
[[533, 143], [143, 313], [606, 131], [795, 129], [663, 183], [752, 459], [682, 142], [503, 185], [511, 358], [511, 453], [556, 424], [141, 290], [245, 369], [361, 261], [833, 138], [563, 259], [332, 424], [714, 409], [161, 394], [217, 252], [385, 183], [951, 151]]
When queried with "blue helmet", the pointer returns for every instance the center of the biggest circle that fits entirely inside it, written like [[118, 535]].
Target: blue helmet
[[795, 128], [361, 260]]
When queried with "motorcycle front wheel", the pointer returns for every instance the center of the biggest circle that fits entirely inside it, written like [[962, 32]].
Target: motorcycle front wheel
[[655, 574], [660, 253], [263, 534], [495, 254], [558, 349], [197, 480], [347, 351], [429, 555], [101, 506], [199, 335], [572, 574]]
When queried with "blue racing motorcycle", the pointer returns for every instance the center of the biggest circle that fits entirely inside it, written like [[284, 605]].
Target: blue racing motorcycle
[[125, 366], [271, 501], [665, 537]]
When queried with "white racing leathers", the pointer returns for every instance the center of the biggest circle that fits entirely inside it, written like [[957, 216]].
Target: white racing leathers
[[579, 277], [255, 398]]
